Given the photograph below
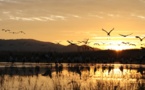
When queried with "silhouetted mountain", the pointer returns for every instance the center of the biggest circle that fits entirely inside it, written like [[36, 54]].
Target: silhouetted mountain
[[27, 45], [35, 45]]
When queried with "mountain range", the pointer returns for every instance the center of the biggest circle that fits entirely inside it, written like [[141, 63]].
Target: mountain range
[[36, 45]]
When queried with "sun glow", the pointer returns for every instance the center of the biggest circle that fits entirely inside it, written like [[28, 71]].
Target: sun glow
[[115, 47], [118, 47]]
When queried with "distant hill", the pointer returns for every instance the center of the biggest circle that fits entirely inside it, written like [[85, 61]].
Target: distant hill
[[27, 45], [35, 45]]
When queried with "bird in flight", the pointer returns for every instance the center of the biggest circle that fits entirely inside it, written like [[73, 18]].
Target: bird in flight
[[3, 29], [22, 32], [71, 42], [14, 32], [108, 33], [86, 41], [141, 39], [6, 30], [97, 44], [125, 35]]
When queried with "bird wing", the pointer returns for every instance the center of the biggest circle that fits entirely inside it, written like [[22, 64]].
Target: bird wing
[[130, 34], [122, 35], [3, 29], [138, 37], [111, 30], [143, 38], [68, 41], [87, 41], [104, 30], [21, 31], [125, 35]]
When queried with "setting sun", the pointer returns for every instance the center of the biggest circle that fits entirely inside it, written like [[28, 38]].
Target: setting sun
[[118, 48]]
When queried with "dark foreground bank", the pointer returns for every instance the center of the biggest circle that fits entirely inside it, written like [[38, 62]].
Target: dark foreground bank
[[103, 56]]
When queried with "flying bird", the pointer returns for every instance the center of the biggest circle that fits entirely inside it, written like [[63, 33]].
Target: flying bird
[[22, 32], [14, 32], [97, 44], [108, 33], [125, 35], [131, 44], [86, 41], [141, 39], [6, 30], [71, 42], [18, 32], [3, 29]]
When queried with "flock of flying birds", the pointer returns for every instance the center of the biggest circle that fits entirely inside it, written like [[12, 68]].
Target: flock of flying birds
[[108, 33], [85, 42], [12, 32]]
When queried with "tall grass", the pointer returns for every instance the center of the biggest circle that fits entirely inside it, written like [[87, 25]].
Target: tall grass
[[69, 79]]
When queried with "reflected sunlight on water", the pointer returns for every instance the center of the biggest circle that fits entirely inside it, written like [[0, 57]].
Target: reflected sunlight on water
[[71, 76]]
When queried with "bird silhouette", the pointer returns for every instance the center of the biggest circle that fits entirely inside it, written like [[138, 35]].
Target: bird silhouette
[[125, 35], [22, 32], [126, 43], [6, 30], [3, 29], [18, 32], [131, 44], [14, 32], [108, 33], [86, 41], [71, 42], [141, 39]]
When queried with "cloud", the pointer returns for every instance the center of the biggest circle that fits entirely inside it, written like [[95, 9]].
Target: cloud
[[96, 15], [48, 18], [6, 12], [39, 18], [58, 17], [21, 18], [10, 1], [111, 15], [74, 15], [138, 16], [142, 17], [102, 15]]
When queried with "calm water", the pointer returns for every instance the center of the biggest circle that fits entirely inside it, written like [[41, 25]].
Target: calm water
[[71, 76]]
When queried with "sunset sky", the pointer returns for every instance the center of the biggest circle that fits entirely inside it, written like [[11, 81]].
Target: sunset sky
[[61, 20]]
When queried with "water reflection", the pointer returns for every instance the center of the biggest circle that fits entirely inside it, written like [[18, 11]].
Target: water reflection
[[68, 76]]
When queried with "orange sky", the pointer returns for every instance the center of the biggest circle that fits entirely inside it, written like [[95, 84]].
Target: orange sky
[[61, 20]]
